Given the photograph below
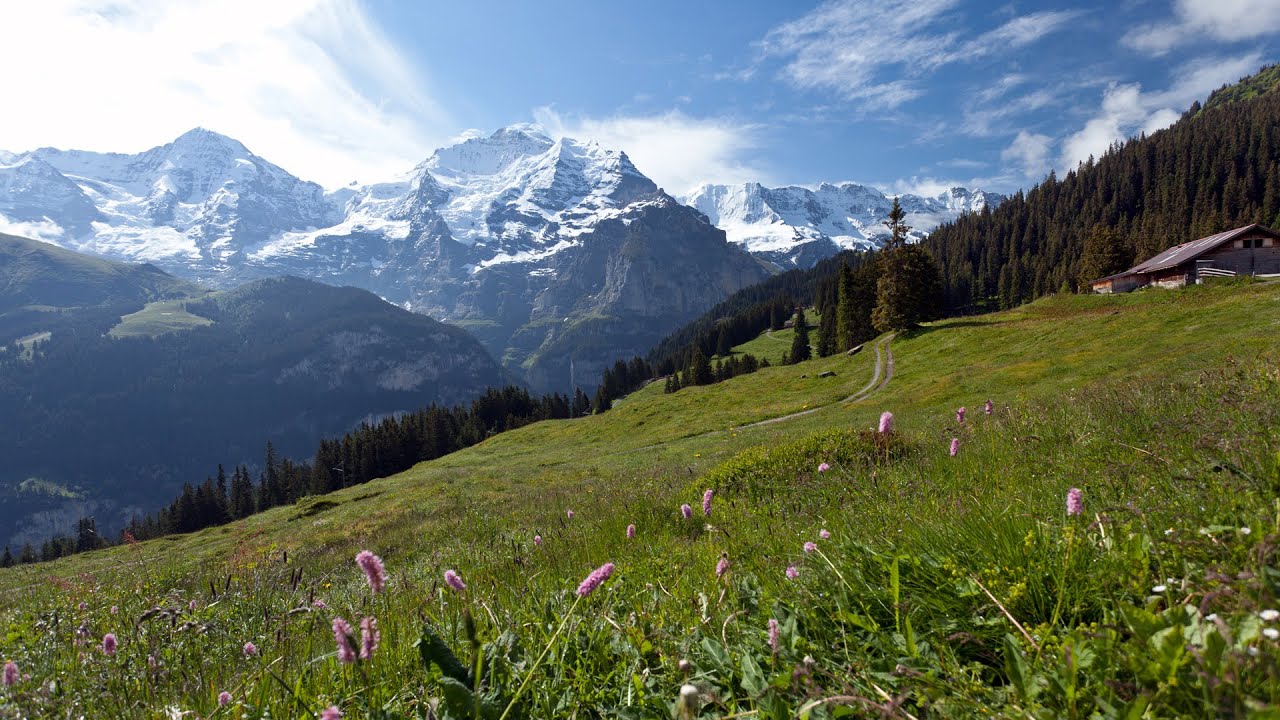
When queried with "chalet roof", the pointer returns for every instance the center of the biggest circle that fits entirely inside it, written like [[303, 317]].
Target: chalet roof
[[1180, 254]]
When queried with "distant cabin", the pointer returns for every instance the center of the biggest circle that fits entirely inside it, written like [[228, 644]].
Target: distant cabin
[[1250, 250]]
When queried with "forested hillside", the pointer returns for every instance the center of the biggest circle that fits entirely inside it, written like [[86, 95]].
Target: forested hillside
[[110, 418], [1217, 168]]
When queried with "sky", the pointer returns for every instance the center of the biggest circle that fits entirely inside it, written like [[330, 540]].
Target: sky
[[905, 95]]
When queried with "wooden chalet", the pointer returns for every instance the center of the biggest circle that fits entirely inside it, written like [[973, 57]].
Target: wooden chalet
[[1250, 250]]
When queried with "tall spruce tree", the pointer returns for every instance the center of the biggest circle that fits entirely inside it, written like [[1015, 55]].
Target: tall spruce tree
[[1105, 253], [800, 342], [699, 372], [909, 290], [846, 321], [827, 333]]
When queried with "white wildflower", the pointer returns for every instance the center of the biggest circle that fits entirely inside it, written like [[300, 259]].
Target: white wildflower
[[1269, 615], [1159, 589], [1271, 633]]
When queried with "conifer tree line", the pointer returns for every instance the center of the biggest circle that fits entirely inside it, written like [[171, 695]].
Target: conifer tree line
[[1216, 169], [372, 450]]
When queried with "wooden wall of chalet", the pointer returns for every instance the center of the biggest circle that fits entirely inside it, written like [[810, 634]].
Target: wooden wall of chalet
[[1250, 260]]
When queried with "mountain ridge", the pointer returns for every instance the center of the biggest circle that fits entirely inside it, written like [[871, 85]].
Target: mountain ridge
[[489, 233]]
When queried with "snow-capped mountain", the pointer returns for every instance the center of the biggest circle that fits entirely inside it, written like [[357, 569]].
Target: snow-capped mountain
[[194, 205], [559, 255], [796, 226]]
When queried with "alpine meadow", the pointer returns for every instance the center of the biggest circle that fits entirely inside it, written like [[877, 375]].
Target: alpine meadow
[[625, 412]]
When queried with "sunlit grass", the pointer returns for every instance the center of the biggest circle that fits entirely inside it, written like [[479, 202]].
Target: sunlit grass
[[1164, 428]]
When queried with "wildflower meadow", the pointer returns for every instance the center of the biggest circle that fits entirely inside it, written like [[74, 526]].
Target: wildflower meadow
[[1092, 544]]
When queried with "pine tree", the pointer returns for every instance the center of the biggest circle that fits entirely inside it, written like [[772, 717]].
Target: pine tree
[[800, 342], [28, 554], [909, 290], [699, 372], [7, 560], [1105, 253], [827, 333], [897, 228], [846, 322], [723, 346]]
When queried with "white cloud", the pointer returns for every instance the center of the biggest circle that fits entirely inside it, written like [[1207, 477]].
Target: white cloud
[[1226, 20], [847, 45], [1030, 152], [312, 85], [1126, 110], [46, 229], [676, 151]]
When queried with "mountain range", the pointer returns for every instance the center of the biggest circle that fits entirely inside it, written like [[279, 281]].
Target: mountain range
[[558, 254]]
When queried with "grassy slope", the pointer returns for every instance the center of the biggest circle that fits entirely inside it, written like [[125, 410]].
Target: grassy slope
[[1060, 370], [158, 318]]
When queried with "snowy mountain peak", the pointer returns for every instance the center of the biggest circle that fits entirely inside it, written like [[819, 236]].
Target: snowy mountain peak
[[199, 138], [798, 226], [486, 156]]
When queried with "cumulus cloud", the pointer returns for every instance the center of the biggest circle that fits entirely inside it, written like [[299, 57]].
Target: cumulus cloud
[[45, 229], [675, 150], [1127, 110], [1227, 20], [1030, 153], [872, 50], [312, 85]]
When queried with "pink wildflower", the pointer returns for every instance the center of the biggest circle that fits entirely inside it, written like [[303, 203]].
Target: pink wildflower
[[824, 534], [631, 530], [373, 570], [537, 540], [722, 567], [706, 502], [454, 581], [775, 639], [250, 649], [10, 673], [792, 572], [191, 606], [569, 513], [810, 546], [1075, 501], [960, 415], [318, 604], [955, 446], [369, 637], [342, 633], [114, 609], [109, 643], [593, 580], [224, 698], [823, 467], [83, 606], [686, 511], [990, 407], [331, 713], [886, 423]]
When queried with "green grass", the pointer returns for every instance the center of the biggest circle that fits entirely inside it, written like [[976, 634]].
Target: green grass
[[158, 318], [773, 345], [1160, 405]]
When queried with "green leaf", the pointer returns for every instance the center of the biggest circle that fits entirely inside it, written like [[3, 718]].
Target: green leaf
[[460, 702], [435, 651], [753, 679]]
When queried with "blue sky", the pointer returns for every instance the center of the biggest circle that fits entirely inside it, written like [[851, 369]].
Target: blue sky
[[908, 95]]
